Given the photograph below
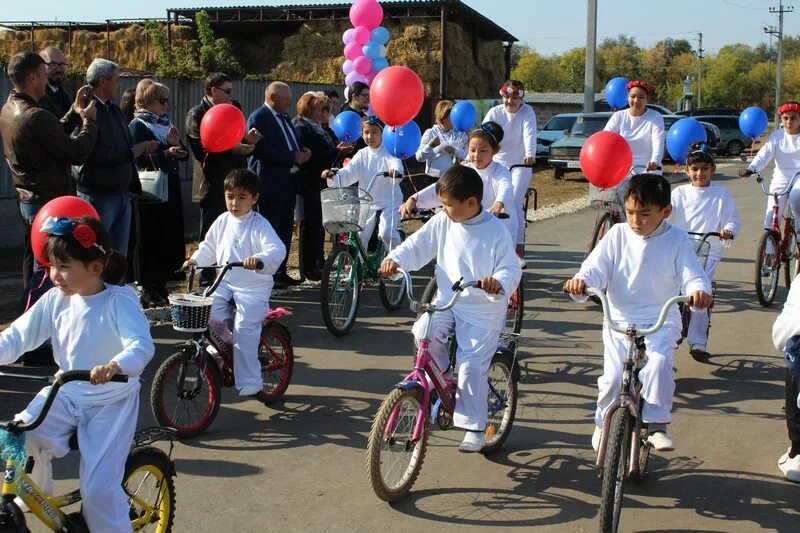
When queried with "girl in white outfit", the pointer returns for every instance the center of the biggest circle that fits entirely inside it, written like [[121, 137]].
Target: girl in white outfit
[[784, 146], [442, 145], [96, 327], [498, 191], [518, 121], [385, 192]]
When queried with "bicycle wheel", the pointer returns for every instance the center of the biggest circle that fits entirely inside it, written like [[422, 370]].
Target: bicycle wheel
[[790, 263], [767, 269], [186, 393], [502, 401], [601, 228], [340, 290], [393, 460], [276, 355], [516, 308], [428, 294], [150, 489], [615, 469], [12, 519]]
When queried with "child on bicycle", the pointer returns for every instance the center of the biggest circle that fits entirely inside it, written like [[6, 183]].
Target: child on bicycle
[[442, 145], [385, 192], [243, 235], [784, 146], [703, 207], [472, 244], [93, 326], [498, 191], [641, 264]]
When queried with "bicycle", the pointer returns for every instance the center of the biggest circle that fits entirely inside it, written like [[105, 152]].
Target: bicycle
[[346, 210], [609, 203], [624, 451], [701, 249], [187, 388], [148, 479], [398, 438]]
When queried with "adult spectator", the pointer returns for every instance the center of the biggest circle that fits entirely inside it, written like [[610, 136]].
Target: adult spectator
[[56, 99], [276, 159], [161, 249], [109, 175], [333, 100], [37, 144], [357, 100], [309, 128], [128, 102]]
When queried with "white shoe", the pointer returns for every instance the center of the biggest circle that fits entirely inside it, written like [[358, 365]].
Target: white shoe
[[790, 466], [523, 264], [249, 390], [598, 433], [661, 441], [474, 441]]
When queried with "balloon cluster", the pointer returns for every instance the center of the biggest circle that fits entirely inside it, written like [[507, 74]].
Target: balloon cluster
[[365, 43]]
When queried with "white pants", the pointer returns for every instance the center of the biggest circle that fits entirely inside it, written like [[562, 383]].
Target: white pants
[[105, 434], [520, 180], [388, 222], [476, 347], [698, 323], [794, 205], [251, 310], [658, 384]]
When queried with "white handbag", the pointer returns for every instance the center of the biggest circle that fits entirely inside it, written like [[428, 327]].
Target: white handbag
[[155, 184]]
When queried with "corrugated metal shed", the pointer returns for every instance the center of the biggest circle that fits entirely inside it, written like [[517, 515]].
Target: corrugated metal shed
[[558, 98]]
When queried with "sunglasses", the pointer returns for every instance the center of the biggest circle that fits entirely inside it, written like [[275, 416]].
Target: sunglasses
[[226, 91]]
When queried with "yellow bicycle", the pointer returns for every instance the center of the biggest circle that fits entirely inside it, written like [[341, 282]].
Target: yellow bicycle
[[148, 479]]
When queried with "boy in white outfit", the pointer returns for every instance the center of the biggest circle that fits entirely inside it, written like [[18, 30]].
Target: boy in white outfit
[[703, 207], [243, 235], [785, 333], [472, 244], [385, 192], [641, 264]]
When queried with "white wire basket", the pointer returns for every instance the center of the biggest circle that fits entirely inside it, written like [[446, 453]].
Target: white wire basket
[[190, 312], [701, 249], [344, 209], [604, 198]]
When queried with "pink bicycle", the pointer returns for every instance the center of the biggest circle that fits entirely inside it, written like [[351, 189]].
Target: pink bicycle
[[399, 435]]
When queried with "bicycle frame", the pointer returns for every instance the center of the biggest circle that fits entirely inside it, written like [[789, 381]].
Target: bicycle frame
[[788, 226]]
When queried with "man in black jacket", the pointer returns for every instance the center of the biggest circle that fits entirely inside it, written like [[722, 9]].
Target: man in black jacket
[[109, 174], [56, 99]]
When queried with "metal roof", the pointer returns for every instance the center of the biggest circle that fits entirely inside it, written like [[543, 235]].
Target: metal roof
[[558, 98]]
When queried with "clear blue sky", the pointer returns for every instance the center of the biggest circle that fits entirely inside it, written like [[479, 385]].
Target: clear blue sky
[[550, 26]]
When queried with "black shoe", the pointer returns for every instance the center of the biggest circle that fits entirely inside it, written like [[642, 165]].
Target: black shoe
[[285, 280], [314, 275]]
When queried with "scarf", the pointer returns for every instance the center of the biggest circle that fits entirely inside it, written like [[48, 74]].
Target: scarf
[[158, 125], [318, 129]]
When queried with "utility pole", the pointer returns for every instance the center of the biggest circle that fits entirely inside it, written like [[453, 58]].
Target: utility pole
[[591, 44], [773, 32], [780, 10], [700, 70]]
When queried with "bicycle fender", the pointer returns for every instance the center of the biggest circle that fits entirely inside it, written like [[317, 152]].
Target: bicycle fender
[[408, 384], [156, 451]]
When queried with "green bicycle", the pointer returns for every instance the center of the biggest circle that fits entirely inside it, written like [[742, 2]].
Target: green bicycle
[[345, 211]]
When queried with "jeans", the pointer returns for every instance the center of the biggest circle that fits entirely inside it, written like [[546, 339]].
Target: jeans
[[28, 213], [115, 214]]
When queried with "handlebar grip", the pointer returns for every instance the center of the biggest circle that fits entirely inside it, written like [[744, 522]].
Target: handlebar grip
[[83, 375], [259, 264], [503, 215]]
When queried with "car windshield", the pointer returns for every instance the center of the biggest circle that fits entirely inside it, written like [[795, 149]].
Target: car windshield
[[559, 123], [585, 126], [668, 122]]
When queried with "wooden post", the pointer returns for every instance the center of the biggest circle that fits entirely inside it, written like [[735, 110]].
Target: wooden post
[[108, 40], [33, 39], [443, 48], [69, 38], [508, 47]]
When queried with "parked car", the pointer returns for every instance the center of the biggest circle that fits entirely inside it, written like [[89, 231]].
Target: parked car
[[732, 141], [602, 105], [712, 132], [564, 153], [709, 111], [555, 129]]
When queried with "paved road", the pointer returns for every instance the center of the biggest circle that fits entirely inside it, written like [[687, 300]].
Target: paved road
[[301, 465]]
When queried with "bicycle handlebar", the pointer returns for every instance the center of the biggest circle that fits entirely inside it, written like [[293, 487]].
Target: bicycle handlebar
[[458, 288], [705, 236], [662, 316], [209, 291], [512, 167]]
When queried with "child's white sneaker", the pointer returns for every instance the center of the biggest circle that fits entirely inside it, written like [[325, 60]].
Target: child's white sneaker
[[790, 466], [598, 432], [661, 441], [698, 351], [249, 390], [474, 441], [523, 264]]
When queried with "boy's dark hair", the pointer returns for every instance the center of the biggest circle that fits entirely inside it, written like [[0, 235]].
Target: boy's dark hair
[[461, 183], [649, 189], [491, 131], [244, 179], [67, 248], [332, 93], [215, 79], [699, 152], [372, 120], [22, 64]]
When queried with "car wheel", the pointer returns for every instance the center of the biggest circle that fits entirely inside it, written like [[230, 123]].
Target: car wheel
[[558, 173], [735, 148]]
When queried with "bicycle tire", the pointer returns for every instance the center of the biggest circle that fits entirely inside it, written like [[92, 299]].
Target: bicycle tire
[[601, 228], [644, 452], [334, 266], [615, 469], [153, 465], [208, 404], [428, 294], [516, 309], [766, 293], [498, 428], [790, 261], [276, 355], [12, 519], [376, 443]]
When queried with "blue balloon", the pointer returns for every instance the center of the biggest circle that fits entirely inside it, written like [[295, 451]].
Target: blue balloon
[[372, 50], [379, 63], [753, 122], [681, 136], [617, 93], [347, 126], [379, 35], [402, 141], [463, 115]]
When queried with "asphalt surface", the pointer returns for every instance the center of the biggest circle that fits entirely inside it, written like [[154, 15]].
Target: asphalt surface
[[301, 465]]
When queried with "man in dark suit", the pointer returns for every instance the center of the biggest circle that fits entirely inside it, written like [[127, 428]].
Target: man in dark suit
[[276, 159], [56, 100]]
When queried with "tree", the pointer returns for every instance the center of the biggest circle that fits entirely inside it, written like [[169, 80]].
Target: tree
[[572, 64], [539, 73]]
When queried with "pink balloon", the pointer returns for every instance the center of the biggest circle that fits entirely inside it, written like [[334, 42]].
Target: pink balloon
[[370, 77], [368, 13], [352, 51], [347, 36], [361, 35], [362, 65], [353, 77], [347, 68]]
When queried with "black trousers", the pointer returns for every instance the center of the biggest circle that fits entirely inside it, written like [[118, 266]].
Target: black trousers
[[792, 414], [211, 207], [277, 206]]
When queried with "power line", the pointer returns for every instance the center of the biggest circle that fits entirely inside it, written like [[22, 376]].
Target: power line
[[741, 6]]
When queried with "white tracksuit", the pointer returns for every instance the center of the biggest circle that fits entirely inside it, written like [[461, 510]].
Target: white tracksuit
[[472, 249], [639, 275], [785, 149], [437, 160], [86, 331], [701, 210], [231, 239], [385, 192], [519, 142]]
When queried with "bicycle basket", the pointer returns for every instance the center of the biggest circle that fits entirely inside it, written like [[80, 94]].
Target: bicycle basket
[[604, 198], [190, 312], [701, 248], [344, 209]]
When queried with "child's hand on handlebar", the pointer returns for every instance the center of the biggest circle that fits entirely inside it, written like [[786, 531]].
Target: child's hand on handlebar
[[189, 262], [575, 286], [529, 160], [700, 300], [408, 207], [726, 234], [490, 285], [251, 263], [496, 208], [326, 174], [745, 172], [103, 373], [388, 268]]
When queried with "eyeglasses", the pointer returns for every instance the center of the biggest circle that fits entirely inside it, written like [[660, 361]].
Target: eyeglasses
[[226, 91], [365, 95], [57, 64]]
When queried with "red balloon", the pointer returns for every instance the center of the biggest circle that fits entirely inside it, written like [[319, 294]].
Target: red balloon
[[64, 206], [346, 161], [396, 95], [222, 128], [606, 159]]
